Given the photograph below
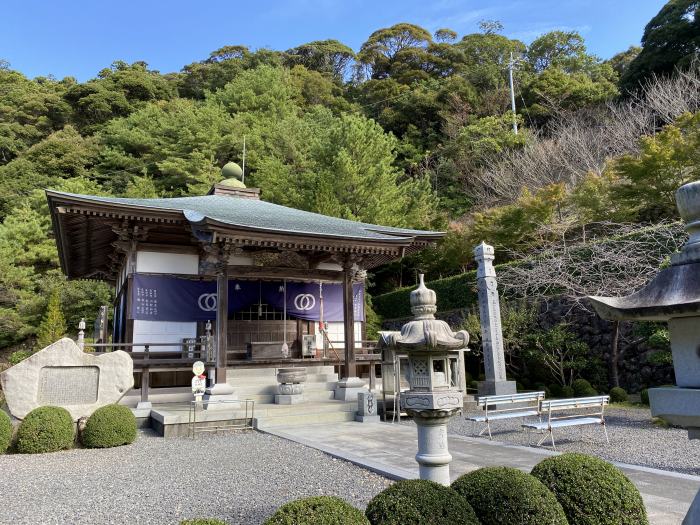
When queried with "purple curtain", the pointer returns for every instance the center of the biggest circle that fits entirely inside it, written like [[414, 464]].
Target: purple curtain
[[169, 298]]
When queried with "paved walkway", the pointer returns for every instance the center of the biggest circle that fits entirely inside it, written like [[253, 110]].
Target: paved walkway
[[390, 449]]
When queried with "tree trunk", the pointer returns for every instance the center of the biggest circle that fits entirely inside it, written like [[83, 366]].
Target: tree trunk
[[615, 354]]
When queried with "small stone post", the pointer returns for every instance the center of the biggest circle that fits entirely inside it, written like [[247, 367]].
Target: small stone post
[[81, 334], [491, 333]]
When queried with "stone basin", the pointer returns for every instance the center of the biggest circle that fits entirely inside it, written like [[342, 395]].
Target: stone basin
[[291, 375]]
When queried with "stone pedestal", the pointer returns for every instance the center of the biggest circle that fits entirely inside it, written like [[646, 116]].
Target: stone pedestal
[[348, 388], [218, 392], [496, 388], [366, 408], [289, 394], [433, 455], [291, 386]]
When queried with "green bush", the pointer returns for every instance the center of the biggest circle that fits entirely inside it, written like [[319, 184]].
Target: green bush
[[5, 431], [567, 391], [203, 521], [583, 388], [18, 356], [416, 501], [506, 496], [618, 395], [317, 510], [644, 396], [45, 429], [660, 358], [591, 491], [541, 387], [110, 426], [555, 390]]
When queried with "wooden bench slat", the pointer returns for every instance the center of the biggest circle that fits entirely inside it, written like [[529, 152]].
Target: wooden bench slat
[[544, 425]]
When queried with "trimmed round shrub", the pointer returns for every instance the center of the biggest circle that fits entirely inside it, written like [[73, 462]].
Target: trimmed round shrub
[[109, 426], [644, 396], [5, 432], [567, 391], [592, 491], [583, 388], [417, 501], [506, 495], [45, 429], [541, 387], [203, 521], [618, 395], [555, 390], [317, 510]]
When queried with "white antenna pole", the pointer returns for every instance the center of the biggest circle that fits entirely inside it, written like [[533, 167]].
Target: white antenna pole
[[243, 168], [512, 93]]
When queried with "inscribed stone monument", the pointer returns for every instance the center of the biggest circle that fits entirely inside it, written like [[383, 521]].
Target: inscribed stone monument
[[63, 375], [491, 333], [366, 408]]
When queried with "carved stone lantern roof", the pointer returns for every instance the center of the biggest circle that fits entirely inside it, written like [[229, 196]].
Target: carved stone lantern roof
[[425, 333], [675, 291]]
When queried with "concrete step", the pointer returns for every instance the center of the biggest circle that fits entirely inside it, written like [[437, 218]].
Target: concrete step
[[312, 395], [264, 422], [272, 380], [251, 390]]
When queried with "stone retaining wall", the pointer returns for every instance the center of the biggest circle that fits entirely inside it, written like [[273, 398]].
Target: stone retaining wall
[[635, 372]]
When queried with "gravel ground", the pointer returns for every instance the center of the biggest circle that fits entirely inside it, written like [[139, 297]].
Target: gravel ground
[[240, 478], [634, 439]]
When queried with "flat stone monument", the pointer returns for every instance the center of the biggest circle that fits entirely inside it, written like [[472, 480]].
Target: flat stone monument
[[491, 333], [63, 375]]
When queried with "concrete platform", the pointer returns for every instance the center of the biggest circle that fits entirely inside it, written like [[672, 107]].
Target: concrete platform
[[170, 420], [389, 449]]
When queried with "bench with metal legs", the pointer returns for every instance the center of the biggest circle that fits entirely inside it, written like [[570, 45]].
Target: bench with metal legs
[[507, 406], [559, 414]]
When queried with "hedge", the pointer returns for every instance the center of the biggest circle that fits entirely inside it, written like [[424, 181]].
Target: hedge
[[109, 426], [45, 429], [418, 502], [592, 491], [506, 496], [458, 291], [317, 510], [5, 431]]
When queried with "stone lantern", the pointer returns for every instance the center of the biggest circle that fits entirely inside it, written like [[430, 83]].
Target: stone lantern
[[434, 397], [673, 296]]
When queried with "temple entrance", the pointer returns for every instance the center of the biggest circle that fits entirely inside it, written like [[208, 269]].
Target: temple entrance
[[258, 332]]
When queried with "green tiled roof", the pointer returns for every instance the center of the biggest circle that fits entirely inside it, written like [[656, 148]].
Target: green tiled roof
[[261, 215]]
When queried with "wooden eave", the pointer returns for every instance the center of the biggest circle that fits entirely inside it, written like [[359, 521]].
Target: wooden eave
[[85, 236]]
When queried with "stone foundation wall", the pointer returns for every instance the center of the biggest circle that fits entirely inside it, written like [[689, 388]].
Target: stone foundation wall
[[635, 372]]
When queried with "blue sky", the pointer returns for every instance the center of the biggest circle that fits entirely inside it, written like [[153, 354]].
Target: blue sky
[[80, 37]]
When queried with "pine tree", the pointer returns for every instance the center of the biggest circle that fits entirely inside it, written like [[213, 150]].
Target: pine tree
[[53, 326]]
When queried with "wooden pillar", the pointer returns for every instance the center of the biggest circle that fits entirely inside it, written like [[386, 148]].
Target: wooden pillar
[[221, 322], [350, 369]]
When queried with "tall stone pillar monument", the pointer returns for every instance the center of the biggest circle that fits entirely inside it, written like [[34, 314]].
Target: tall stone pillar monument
[[491, 334]]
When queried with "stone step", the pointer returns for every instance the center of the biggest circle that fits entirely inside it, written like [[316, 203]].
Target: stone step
[[251, 390], [312, 395], [303, 419], [272, 380]]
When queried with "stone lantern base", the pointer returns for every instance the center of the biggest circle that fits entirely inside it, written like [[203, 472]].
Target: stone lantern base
[[433, 455]]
